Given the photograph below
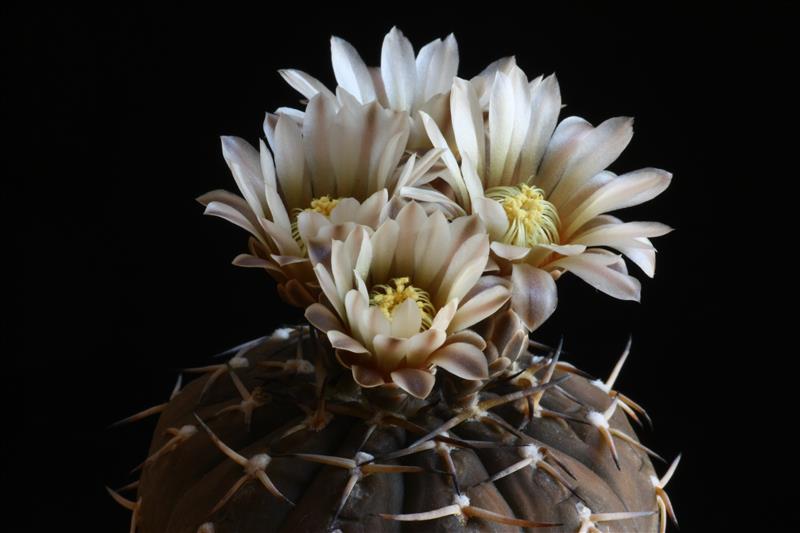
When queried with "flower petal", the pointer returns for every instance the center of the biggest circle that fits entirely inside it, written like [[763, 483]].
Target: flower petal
[[624, 191], [445, 315], [398, 70], [461, 359], [437, 64], [274, 201], [624, 234], [644, 257], [250, 261], [533, 295], [410, 221], [510, 252], [303, 83], [417, 383], [479, 307], [598, 149], [309, 224], [234, 216], [468, 336], [350, 71], [384, 244], [467, 120], [501, 127], [406, 319], [563, 144], [389, 351], [598, 271], [545, 106], [328, 286], [493, 215], [245, 165], [322, 318], [340, 341], [290, 163], [421, 345], [430, 250], [366, 377]]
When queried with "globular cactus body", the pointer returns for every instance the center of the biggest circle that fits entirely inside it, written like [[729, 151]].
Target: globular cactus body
[[279, 443]]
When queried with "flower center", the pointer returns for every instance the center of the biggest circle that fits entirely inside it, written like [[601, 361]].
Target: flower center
[[388, 296], [323, 205], [532, 220]]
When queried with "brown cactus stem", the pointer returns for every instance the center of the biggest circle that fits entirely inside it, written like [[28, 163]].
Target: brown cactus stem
[[378, 460]]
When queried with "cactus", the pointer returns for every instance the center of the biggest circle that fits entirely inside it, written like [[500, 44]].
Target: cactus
[[283, 440], [421, 221]]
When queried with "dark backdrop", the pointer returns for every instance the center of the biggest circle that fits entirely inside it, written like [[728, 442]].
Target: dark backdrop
[[124, 281]]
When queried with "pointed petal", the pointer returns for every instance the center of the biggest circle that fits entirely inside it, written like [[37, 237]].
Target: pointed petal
[[245, 165], [303, 83], [598, 271], [480, 306], [467, 122], [398, 70], [350, 71], [626, 190], [597, 150]]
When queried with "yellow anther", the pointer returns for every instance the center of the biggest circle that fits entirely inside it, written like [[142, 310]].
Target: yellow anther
[[323, 204], [388, 296], [532, 220]]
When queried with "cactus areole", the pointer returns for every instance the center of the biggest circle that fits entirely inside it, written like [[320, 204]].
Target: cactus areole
[[421, 221]]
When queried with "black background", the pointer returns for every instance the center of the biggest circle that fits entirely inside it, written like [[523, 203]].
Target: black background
[[124, 281]]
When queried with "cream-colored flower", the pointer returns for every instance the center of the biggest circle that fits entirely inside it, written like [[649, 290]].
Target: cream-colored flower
[[402, 82], [543, 191], [336, 170], [402, 298]]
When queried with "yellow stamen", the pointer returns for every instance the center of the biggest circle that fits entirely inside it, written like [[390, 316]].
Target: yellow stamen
[[532, 220], [387, 298], [323, 205]]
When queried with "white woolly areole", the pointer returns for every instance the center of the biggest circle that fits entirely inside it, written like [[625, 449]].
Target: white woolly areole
[[237, 361], [531, 451], [597, 419], [282, 334], [299, 366], [600, 384], [462, 500], [258, 462], [208, 527], [583, 512], [363, 457], [187, 431]]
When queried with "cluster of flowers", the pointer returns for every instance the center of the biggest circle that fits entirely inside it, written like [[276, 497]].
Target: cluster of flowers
[[407, 208]]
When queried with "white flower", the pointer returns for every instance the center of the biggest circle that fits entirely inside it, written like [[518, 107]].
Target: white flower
[[403, 297], [336, 170], [542, 190], [402, 82]]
